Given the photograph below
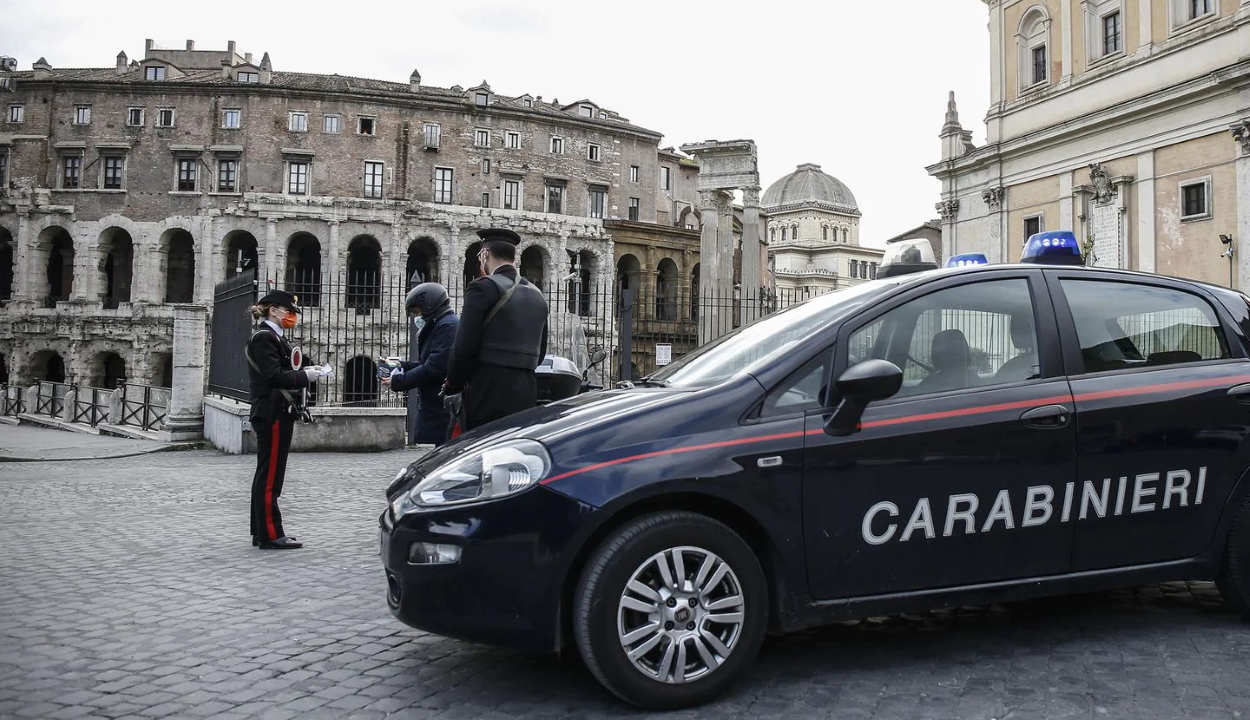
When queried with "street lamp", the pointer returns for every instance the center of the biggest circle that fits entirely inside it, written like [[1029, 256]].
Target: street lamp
[[1228, 240]]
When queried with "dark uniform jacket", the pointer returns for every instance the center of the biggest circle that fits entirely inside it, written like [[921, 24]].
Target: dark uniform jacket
[[273, 373], [427, 374]]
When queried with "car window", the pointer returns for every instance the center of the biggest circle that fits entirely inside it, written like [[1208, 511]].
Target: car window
[[1124, 325], [801, 391], [971, 336]]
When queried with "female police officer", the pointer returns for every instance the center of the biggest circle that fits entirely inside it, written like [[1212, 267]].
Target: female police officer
[[276, 379]]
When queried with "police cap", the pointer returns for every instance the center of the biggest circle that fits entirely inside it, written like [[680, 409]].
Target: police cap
[[281, 298], [499, 234]]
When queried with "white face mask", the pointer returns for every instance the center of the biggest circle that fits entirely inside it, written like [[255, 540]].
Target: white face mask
[[418, 322]]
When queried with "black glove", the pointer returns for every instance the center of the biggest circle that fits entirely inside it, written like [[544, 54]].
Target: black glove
[[454, 404]]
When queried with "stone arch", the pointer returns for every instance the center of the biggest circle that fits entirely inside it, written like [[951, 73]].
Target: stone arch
[[360, 382], [240, 251], [667, 287], [177, 248], [162, 365], [422, 261], [116, 254], [303, 268], [47, 366], [107, 369], [694, 291], [364, 273], [583, 268], [690, 219], [534, 261], [8, 270], [629, 273], [472, 268], [57, 248], [4, 368]]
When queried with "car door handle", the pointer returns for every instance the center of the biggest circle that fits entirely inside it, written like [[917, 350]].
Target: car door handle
[[1046, 417], [1240, 393]]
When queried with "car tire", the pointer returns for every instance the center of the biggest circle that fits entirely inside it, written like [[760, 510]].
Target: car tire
[[624, 599], [1234, 578]]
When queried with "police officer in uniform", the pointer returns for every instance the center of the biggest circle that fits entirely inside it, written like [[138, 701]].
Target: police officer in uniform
[[430, 307], [501, 339], [277, 383]]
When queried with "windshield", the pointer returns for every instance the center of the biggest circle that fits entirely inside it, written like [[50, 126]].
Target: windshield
[[766, 338]]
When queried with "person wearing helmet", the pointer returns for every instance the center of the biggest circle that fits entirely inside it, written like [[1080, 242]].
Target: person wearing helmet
[[429, 307]]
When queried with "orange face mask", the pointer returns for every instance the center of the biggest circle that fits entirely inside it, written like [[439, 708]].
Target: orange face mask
[[289, 319]]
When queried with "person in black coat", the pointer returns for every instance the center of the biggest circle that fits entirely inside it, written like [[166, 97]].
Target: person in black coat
[[501, 339], [430, 307], [276, 381]]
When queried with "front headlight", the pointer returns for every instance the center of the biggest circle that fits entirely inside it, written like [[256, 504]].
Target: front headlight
[[493, 472]]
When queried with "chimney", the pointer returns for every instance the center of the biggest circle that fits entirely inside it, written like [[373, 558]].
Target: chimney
[[42, 69], [230, 49], [190, 45], [266, 70], [247, 58], [147, 48], [123, 62], [414, 81]]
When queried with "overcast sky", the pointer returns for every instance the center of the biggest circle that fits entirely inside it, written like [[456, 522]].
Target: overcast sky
[[858, 88]]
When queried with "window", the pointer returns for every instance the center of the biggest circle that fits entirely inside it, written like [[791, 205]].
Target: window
[[794, 233], [586, 111], [155, 72], [366, 125], [231, 119], [800, 392], [82, 115], [187, 168], [71, 171], [634, 209], [297, 178], [481, 99], [557, 146], [665, 179], [633, 173], [594, 152], [17, 113], [332, 124], [1111, 40], [4, 170], [297, 122], [597, 197], [227, 176], [529, 102], [433, 135], [512, 140], [486, 166], [373, 179], [442, 185], [971, 336], [113, 172], [1124, 325], [165, 117], [511, 195], [854, 268], [1039, 64], [1200, 8], [485, 199], [1196, 200], [872, 271], [825, 231], [249, 77], [1032, 226], [555, 199], [1034, 43], [134, 117], [481, 138]]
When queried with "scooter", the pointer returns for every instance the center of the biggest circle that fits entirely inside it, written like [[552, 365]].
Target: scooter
[[558, 378]]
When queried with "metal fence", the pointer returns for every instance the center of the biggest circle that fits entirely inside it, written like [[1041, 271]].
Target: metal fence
[[232, 326], [144, 406], [12, 400]]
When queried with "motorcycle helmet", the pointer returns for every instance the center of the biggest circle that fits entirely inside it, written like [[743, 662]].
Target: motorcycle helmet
[[426, 299]]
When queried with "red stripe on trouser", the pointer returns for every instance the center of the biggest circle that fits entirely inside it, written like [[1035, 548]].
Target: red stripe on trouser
[[273, 470]]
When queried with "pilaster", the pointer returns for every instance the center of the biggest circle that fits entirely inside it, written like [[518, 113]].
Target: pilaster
[[1146, 247]]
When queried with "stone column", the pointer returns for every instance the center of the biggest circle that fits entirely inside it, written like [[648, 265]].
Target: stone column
[[84, 267], [751, 275], [1241, 241], [1146, 212], [185, 420], [716, 272], [269, 267], [330, 267], [204, 246], [24, 277]]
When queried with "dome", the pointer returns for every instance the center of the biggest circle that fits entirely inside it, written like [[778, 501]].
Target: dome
[[809, 185]]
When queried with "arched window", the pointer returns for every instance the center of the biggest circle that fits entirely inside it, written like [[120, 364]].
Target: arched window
[[48, 367], [825, 231], [240, 253], [1033, 41], [581, 267], [109, 370], [471, 266], [303, 269], [360, 382], [694, 292], [60, 264], [364, 274], [534, 266], [422, 265], [116, 256], [794, 233], [179, 248], [772, 234], [666, 289]]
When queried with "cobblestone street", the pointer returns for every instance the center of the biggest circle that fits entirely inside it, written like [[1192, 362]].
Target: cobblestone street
[[129, 588]]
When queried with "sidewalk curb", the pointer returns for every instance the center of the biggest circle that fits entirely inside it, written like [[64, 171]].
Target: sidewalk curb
[[172, 447]]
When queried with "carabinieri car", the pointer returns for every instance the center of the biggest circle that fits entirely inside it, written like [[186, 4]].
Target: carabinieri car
[[964, 435]]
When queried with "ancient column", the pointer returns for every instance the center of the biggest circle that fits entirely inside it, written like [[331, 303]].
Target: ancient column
[[24, 283], [752, 278], [716, 271], [205, 245], [269, 267], [185, 419]]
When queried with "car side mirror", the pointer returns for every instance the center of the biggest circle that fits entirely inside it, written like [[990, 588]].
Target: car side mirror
[[862, 383]]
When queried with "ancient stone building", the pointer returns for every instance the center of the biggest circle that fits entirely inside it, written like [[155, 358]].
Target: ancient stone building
[[813, 233], [1125, 121], [131, 188]]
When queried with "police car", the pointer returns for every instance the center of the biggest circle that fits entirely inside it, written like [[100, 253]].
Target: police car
[[939, 436]]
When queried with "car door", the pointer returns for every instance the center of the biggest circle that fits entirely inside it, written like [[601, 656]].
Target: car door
[[1162, 417], [959, 478]]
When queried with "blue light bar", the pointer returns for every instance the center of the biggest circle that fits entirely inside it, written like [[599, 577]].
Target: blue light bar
[[967, 260], [1058, 247]]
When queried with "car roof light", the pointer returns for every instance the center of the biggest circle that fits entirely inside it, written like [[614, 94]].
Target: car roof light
[[907, 256], [1058, 247], [967, 260]]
